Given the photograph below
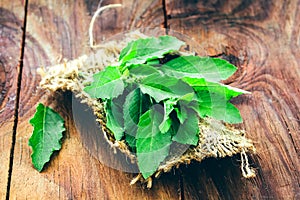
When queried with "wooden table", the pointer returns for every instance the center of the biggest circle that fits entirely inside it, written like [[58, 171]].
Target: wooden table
[[261, 37]]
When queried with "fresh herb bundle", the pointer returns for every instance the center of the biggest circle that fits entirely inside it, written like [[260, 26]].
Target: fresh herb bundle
[[155, 96]]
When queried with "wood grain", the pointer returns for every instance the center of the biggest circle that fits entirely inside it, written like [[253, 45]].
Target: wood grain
[[59, 30], [264, 37], [11, 16], [261, 37]]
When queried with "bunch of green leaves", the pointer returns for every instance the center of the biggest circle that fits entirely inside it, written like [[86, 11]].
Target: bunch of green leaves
[[155, 96]]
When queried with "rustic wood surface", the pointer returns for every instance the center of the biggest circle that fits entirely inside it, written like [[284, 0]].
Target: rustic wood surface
[[11, 14], [261, 37]]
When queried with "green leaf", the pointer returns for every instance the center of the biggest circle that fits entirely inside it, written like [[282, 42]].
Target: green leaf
[[153, 62], [162, 87], [168, 108], [227, 112], [188, 97], [216, 106], [183, 106], [142, 50], [165, 125], [142, 70], [232, 114], [136, 103], [131, 141], [213, 100], [46, 136], [107, 84], [219, 88], [188, 132], [182, 113], [152, 146], [114, 117], [212, 69]]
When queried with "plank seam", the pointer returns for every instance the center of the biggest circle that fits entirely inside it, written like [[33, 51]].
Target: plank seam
[[181, 186], [17, 102], [165, 16]]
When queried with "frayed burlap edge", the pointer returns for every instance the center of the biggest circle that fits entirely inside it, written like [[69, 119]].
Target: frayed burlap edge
[[216, 139]]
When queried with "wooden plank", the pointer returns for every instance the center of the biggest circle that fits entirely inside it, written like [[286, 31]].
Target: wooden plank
[[11, 17], [262, 37], [56, 30]]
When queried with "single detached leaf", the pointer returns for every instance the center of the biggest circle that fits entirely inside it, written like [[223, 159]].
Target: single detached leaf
[[136, 103], [212, 69], [188, 132], [142, 50], [46, 136], [164, 87], [107, 84], [152, 146]]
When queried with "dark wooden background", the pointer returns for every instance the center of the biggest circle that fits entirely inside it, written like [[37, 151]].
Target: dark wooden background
[[261, 37]]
